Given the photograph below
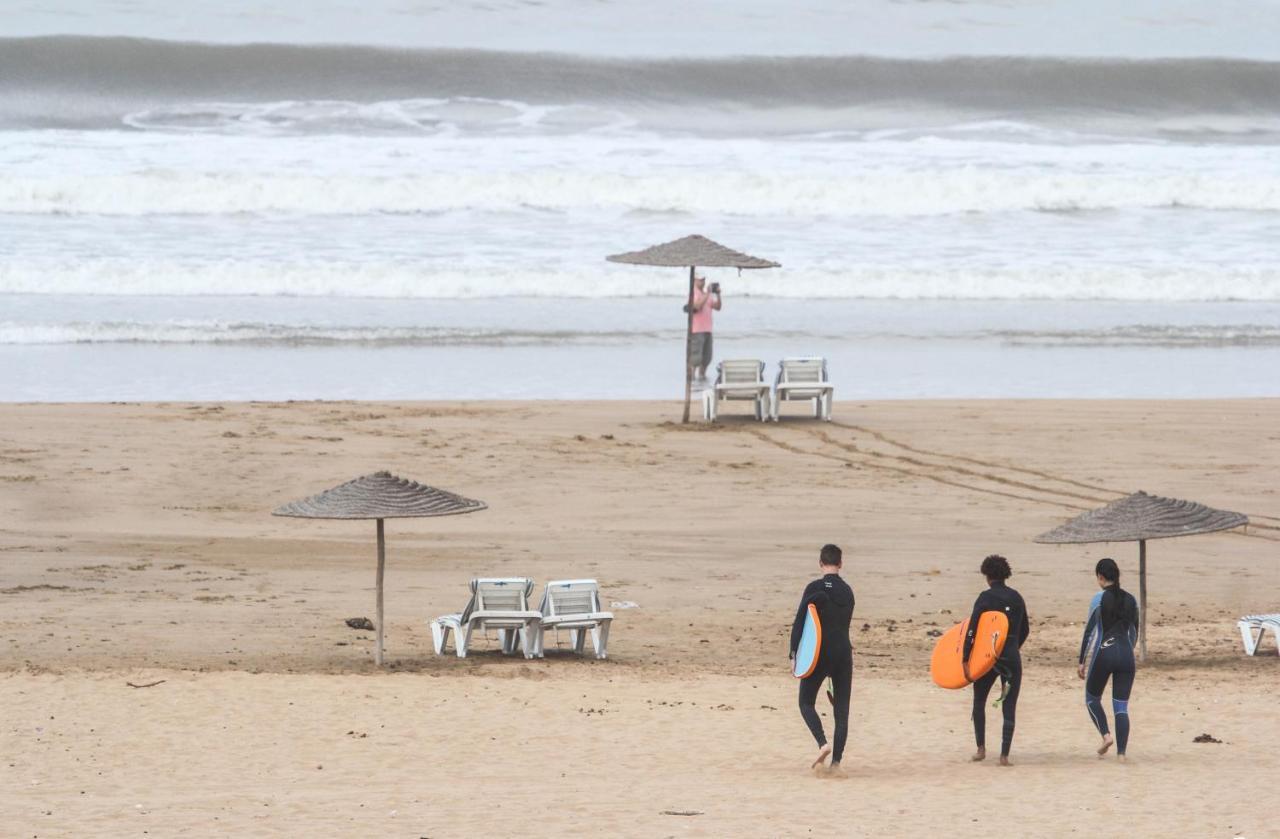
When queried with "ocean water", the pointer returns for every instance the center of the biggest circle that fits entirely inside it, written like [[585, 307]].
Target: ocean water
[[398, 200]]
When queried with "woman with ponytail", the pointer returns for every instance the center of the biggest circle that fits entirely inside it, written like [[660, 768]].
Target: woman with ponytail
[[1108, 642]]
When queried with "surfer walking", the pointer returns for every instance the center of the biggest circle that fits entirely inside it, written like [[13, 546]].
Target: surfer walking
[[998, 598], [1108, 641], [833, 599]]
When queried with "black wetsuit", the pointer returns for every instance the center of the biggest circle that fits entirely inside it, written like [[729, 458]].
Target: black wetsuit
[[834, 600], [1108, 642], [999, 598]]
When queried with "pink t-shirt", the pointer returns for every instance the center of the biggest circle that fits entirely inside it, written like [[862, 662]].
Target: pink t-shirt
[[702, 317]]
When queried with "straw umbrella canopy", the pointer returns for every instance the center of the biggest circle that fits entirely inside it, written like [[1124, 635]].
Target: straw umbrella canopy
[[691, 252], [1137, 518], [380, 496]]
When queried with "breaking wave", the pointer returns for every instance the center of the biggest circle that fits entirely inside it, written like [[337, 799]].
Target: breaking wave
[[410, 280], [86, 82], [895, 193]]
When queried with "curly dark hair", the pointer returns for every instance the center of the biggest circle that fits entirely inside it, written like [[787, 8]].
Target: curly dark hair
[[996, 567]]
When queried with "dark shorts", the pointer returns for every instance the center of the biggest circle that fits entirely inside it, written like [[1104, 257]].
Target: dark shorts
[[700, 349]]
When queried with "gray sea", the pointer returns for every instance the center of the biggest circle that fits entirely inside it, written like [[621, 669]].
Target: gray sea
[[391, 199]]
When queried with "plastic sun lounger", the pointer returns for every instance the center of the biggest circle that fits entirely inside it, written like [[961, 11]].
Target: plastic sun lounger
[[574, 605], [1254, 627], [804, 379], [496, 603], [738, 379]]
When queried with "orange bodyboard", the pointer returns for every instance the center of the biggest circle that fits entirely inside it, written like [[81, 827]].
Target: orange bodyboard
[[946, 666]]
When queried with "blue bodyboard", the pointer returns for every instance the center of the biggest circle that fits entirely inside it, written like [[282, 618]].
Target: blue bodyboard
[[806, 660]]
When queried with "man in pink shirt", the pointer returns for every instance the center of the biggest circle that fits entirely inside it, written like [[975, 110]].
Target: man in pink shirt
[[704, 302]]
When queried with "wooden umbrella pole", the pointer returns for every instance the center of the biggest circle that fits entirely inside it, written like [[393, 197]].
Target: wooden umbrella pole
[[1142, 595], [382, 563], [688, 356]]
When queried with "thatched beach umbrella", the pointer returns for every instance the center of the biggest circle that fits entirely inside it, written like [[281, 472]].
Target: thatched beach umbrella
[[1137, 518], [691, 252], [380, 496]]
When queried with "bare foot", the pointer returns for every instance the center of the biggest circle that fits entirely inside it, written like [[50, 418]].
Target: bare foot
[[823, 753], [980, 754], [1106, 745], [1004, 761], [1123, 759], [837, 771]]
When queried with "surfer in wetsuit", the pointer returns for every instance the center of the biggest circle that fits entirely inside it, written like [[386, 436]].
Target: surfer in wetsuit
[[834, 601], [1108, 642], [998, 598]]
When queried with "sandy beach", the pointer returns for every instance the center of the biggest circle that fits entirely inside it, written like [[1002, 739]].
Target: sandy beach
[[137, 546]]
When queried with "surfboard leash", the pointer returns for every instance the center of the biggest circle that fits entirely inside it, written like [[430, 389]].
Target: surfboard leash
[[1004, 679]]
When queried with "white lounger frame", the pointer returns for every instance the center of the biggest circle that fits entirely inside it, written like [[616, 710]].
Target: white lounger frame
[[574, 605], [738, 379], [1254, 627], [804, 379], [500, 603]]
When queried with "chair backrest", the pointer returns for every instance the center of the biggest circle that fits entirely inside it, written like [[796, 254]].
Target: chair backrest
[[499, 594], [802, 370], [570, 597], [741, 371]]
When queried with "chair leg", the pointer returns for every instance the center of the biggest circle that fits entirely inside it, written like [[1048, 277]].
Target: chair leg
[[826, 408], [577, 638], [439, 636], [1275, 635], [600, 637], [529, 639], [1250, 641], [462, 640]]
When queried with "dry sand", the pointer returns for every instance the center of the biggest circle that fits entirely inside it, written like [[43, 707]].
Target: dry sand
[[136, 545]]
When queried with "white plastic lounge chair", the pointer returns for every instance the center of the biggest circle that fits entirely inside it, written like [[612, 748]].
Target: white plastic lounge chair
[[804, 378], [496, 603], [1253, 627], [574, 605], [740, 378]]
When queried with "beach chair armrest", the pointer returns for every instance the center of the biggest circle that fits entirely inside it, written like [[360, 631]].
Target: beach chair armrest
[[786, 386], [493, 615], [573, 621]]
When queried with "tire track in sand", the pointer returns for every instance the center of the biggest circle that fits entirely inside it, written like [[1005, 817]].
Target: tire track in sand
[[956, 476], [991, 464], [899, 470], [961, 470]]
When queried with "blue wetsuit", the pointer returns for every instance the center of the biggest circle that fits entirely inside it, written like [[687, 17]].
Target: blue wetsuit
[[999, 598], [834, 600], [1107, 644]]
